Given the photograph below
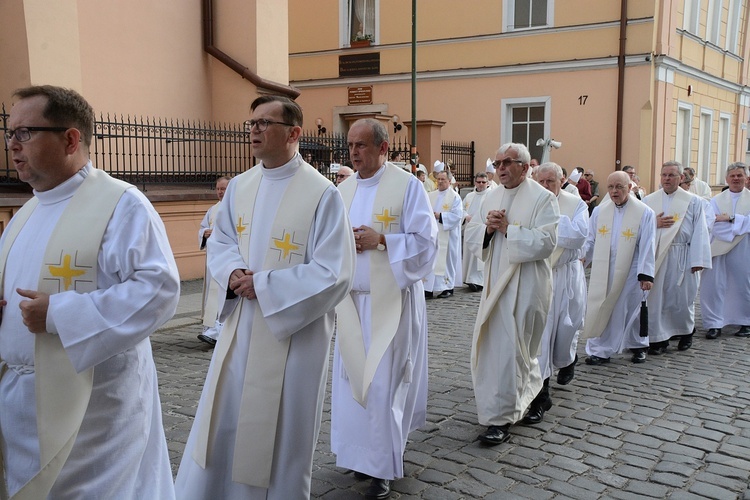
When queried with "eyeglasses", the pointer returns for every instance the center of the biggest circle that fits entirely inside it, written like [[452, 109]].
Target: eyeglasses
[[263, 124], [23, 134], [506, 162], [480, 182], [341, 176]]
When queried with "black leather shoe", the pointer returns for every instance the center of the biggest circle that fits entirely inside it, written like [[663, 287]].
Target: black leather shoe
[[445, 294], [427, 295], [566, 374], [472, 287], [713, 333], [495, 435], [744, 331], [596, 360], [639, 356], [686, 342], [361, 476], [658, 348], [208, 340], [535, 414], [378, 489]]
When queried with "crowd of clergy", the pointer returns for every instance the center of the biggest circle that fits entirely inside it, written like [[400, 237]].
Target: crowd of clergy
[[293, 260]]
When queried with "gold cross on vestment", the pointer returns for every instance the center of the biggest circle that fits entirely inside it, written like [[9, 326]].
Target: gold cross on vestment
[[446, 207], [604, 230], [240, 227], [66, 272], [285, 245], [676, 217], [386, 218], [628, 233]]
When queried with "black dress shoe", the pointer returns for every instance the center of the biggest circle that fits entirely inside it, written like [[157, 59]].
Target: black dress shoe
[[427, 295], [535, 414], [596, 360], [658, 348], [639, 356], [378, 489], [472, 287], [445, 294], [208, 340], [713, 333], [495, 434], [361, 476], [744, 331], [686, 342], [566, 374]]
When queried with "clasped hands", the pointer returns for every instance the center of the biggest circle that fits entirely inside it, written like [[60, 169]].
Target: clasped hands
[[365, 238], [241, 283], [496, 221]]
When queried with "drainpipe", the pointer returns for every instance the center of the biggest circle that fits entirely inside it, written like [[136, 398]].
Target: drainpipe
[[233, 64], [621, 81]]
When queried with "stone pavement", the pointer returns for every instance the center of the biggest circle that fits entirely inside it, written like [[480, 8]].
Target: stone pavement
[[677, 426]]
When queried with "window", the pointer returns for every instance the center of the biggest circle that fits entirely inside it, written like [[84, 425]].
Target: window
[[359, 19], [525, 14], [526, 121], [722, 159], [683, 134], [704, 145], [713, 24], [733, 25], [691, 19]]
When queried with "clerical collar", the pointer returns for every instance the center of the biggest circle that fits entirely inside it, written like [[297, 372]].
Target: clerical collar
[[621, 206], [371, 181], [288, 169], [64, 190]]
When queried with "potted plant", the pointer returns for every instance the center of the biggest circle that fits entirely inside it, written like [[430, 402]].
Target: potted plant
[[360, 40]]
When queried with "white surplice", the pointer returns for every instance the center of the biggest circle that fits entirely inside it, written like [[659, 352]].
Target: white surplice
[[120, 451], [507, 378], [614, 339], [700, 188], [568, 309], [372, 440], [297, 302], [211, 293], [671, 301], [451, 216], [473, 266], [725, 288]]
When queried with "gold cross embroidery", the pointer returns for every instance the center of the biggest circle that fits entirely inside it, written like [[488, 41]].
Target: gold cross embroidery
[[285, 245], [66, 272], [446, 207], [386, 218], [240, 227], [676, 217], [604, 230], [628, 233]]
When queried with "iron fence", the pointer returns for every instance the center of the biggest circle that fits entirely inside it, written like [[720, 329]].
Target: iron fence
[[460, 156]]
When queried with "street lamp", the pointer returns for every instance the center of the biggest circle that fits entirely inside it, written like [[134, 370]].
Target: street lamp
[[546, 145]]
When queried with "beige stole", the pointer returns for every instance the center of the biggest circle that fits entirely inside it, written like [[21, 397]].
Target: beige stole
[[678, 207], [441, 261], [568, 204], [724, 202], [266, 361], [210, 286], [519, 214], [384, 291], [601, 303], [70, 263]]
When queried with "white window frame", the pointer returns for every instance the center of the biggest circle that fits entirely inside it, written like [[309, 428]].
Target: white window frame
[[722, 155], [345, 20], [733, 26], [509, 10], [684, 134], [692, 16], [705, 134], [506, 116], [713, 22]]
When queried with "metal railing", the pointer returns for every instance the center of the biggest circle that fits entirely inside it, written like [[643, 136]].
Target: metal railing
[[460, 155]]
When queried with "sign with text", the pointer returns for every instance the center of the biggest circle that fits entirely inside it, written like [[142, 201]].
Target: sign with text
[[359, 64], [360, 95]]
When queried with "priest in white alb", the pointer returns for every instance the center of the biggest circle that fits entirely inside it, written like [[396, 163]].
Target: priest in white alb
[[620, 250], [448, 211], [211, 293], [379, 387], [86, 275], [283, 250], [683, 249], [725, 288], [515, 236], [473, 266], [565, 317]]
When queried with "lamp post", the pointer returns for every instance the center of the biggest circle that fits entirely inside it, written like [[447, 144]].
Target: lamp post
[[546, 145]]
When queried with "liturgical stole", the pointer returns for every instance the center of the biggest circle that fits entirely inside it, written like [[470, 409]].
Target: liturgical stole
[[520, 213], [70, 264], [724, 202], [210, 286], [386, 297], [678, 208], [568, 205], [266, 361], [441, 261], [601, 303]]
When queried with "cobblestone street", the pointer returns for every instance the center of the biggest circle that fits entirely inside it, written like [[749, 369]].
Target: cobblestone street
[[677, 426]]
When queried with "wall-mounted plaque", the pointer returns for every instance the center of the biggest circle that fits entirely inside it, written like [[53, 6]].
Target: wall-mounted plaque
[[360, 95], [359, 64]]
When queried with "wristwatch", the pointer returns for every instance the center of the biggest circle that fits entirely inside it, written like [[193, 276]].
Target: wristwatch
[[381, 243], [731, 219]]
